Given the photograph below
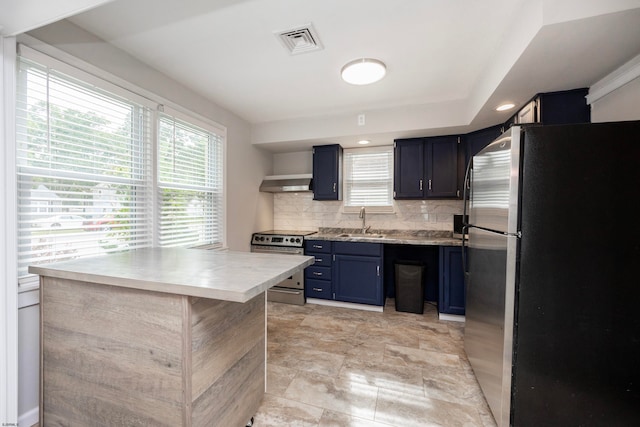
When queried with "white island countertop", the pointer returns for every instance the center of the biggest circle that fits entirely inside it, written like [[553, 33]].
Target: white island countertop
[[223, 275]]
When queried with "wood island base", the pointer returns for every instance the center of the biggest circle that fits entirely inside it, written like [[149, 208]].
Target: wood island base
[[114, 355]]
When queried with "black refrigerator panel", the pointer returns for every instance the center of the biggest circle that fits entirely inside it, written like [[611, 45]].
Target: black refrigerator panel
[[577, 332], [484, 315]]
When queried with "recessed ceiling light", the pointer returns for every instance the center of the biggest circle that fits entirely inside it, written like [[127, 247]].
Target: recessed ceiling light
[[505, 107], [363, 71], [363, 142]]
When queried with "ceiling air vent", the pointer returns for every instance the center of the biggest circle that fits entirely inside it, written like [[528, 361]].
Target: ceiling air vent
[[300, 40]]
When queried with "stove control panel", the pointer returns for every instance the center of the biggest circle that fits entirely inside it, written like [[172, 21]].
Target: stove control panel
[[277, 240]]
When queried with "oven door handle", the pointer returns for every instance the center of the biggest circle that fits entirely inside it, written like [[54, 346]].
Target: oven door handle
[[286, 292]]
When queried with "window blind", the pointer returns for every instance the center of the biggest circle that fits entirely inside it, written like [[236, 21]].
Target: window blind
[[190, 166], [83, 161], [368, 177]]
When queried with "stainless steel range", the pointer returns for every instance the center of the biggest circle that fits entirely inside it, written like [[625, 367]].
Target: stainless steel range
[[290, 290]]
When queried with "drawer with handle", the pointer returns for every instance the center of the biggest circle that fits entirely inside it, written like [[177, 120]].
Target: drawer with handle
[[317, 272], [321, 260], [317, 289], [315, 246]]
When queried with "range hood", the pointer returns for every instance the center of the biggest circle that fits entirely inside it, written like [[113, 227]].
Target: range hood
[[286, 183]]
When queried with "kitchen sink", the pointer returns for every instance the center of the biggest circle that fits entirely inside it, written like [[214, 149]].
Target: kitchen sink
[[362, 235]]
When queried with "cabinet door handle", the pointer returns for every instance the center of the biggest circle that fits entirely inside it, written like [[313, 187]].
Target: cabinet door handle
[[378, 270], [317, 289], [420, 185], [317, 246], [429, 185], [316, 273], [318, 259], [334, 187]]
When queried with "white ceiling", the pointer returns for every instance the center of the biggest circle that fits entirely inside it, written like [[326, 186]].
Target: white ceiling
[[227, 50], [449, 62]]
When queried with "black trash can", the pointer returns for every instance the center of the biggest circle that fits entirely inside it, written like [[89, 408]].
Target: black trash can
[[410, 286]]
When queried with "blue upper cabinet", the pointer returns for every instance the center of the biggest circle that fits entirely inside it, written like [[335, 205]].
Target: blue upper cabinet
[[426, 168], [408, 169], [564, 107], [476, 141], [327, 172], [442, 167], [554, 108]]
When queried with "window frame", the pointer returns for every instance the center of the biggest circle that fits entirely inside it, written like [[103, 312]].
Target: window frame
[[91, 75], [381, 209], [215, 133]]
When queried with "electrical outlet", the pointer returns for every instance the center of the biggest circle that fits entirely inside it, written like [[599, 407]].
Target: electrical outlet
[[360, 119]]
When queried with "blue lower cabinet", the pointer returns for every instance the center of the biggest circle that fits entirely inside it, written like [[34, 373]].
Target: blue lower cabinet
[[317, 273], [451, 295], [312, 247], [317, 289], [358, 279], [345, 271], [321, 260], [317, 277]]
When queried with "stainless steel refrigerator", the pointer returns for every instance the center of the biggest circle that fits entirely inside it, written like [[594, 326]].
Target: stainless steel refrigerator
[[552, 274]]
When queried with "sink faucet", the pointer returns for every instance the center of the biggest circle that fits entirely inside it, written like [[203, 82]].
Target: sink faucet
[[364, 218]]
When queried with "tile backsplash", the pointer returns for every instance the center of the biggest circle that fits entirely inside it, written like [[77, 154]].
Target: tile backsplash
[[298, 211]]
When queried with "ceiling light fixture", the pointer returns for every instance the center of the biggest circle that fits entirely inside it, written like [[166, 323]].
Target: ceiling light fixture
[[364, 142], [505, 107], [363, 71]]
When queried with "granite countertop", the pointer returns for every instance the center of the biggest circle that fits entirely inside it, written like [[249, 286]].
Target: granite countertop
[[222, 275], [394, 237]]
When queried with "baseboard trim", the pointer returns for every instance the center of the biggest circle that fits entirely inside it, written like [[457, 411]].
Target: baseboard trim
[[30, 418], [342, 304], [451, 317]]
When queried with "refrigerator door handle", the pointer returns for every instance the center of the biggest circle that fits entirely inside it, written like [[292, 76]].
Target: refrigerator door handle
[[465, 225]]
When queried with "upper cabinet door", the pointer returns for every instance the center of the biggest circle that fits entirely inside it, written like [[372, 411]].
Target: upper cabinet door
[[554, 108], [442, 167], [408, 169], [529, 113], [327, 172], [476, 141], [426, 168], [564, 107]]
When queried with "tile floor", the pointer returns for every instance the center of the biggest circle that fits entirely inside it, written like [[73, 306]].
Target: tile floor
[[329, 366]]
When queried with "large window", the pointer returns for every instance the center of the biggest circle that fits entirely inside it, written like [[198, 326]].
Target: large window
[[189, 184], [87, 184], [368, 179]]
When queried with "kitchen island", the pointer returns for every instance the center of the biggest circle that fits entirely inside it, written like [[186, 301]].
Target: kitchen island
[[160, 337]]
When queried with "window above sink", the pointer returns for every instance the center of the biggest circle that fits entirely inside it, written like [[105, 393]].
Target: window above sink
[[368, 179]]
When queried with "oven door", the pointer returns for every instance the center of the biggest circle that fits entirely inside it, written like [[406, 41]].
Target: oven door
[[291, 289]]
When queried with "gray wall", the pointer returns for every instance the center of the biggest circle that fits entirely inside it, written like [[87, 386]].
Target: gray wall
[[620, 105]]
